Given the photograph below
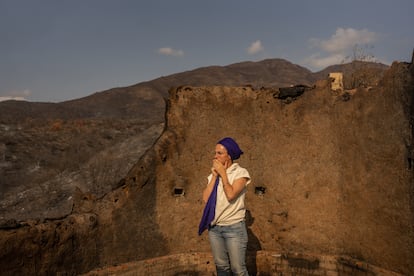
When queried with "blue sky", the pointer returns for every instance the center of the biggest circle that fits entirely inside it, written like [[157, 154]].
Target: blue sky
[[53, 51]]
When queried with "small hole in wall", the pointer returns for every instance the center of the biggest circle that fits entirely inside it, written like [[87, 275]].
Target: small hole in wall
[[409, 163], [178, 192], [259, 190]]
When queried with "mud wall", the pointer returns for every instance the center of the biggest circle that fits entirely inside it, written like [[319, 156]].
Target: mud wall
[[332, 176], [334, 167]]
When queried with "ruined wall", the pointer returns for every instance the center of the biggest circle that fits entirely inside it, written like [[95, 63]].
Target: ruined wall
[[332, 176], [335, 170]]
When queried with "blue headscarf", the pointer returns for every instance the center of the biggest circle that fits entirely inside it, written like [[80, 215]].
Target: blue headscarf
[[232, 147]]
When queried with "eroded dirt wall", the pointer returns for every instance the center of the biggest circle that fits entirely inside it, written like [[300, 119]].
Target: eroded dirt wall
[[334, 167], [333, 171]]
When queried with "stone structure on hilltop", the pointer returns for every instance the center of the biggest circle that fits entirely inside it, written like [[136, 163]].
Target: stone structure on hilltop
[[337, 83], [331, 177]]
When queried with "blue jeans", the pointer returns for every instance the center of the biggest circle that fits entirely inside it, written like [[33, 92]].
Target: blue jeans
[[228, 245]]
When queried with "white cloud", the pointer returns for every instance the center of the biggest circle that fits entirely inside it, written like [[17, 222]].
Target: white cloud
[[255, 47], [7, 98], [167, 51], [346, 39], [339, 46], [17, 95], [317, 61]]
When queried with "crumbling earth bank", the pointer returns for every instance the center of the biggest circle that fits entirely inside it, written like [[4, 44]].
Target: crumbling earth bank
[[332, 175]]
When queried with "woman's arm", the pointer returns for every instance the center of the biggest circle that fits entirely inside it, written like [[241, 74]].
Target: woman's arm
[[233, 191]]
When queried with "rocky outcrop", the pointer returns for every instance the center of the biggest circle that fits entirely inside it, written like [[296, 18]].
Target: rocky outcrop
[[332, 175], [45, 162]]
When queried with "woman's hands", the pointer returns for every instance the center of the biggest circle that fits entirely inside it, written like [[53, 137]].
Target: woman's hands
[[233, 190], [218, 168]]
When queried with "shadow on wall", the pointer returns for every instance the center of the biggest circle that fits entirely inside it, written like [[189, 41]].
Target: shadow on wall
[[253, 245]]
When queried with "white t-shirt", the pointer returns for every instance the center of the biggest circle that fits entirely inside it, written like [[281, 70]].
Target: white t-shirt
[[230, 212]]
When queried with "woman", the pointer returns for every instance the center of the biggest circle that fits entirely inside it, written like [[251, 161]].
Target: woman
[[224, 214]]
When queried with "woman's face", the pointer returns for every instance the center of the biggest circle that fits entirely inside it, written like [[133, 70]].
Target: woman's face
[[221, 154]]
